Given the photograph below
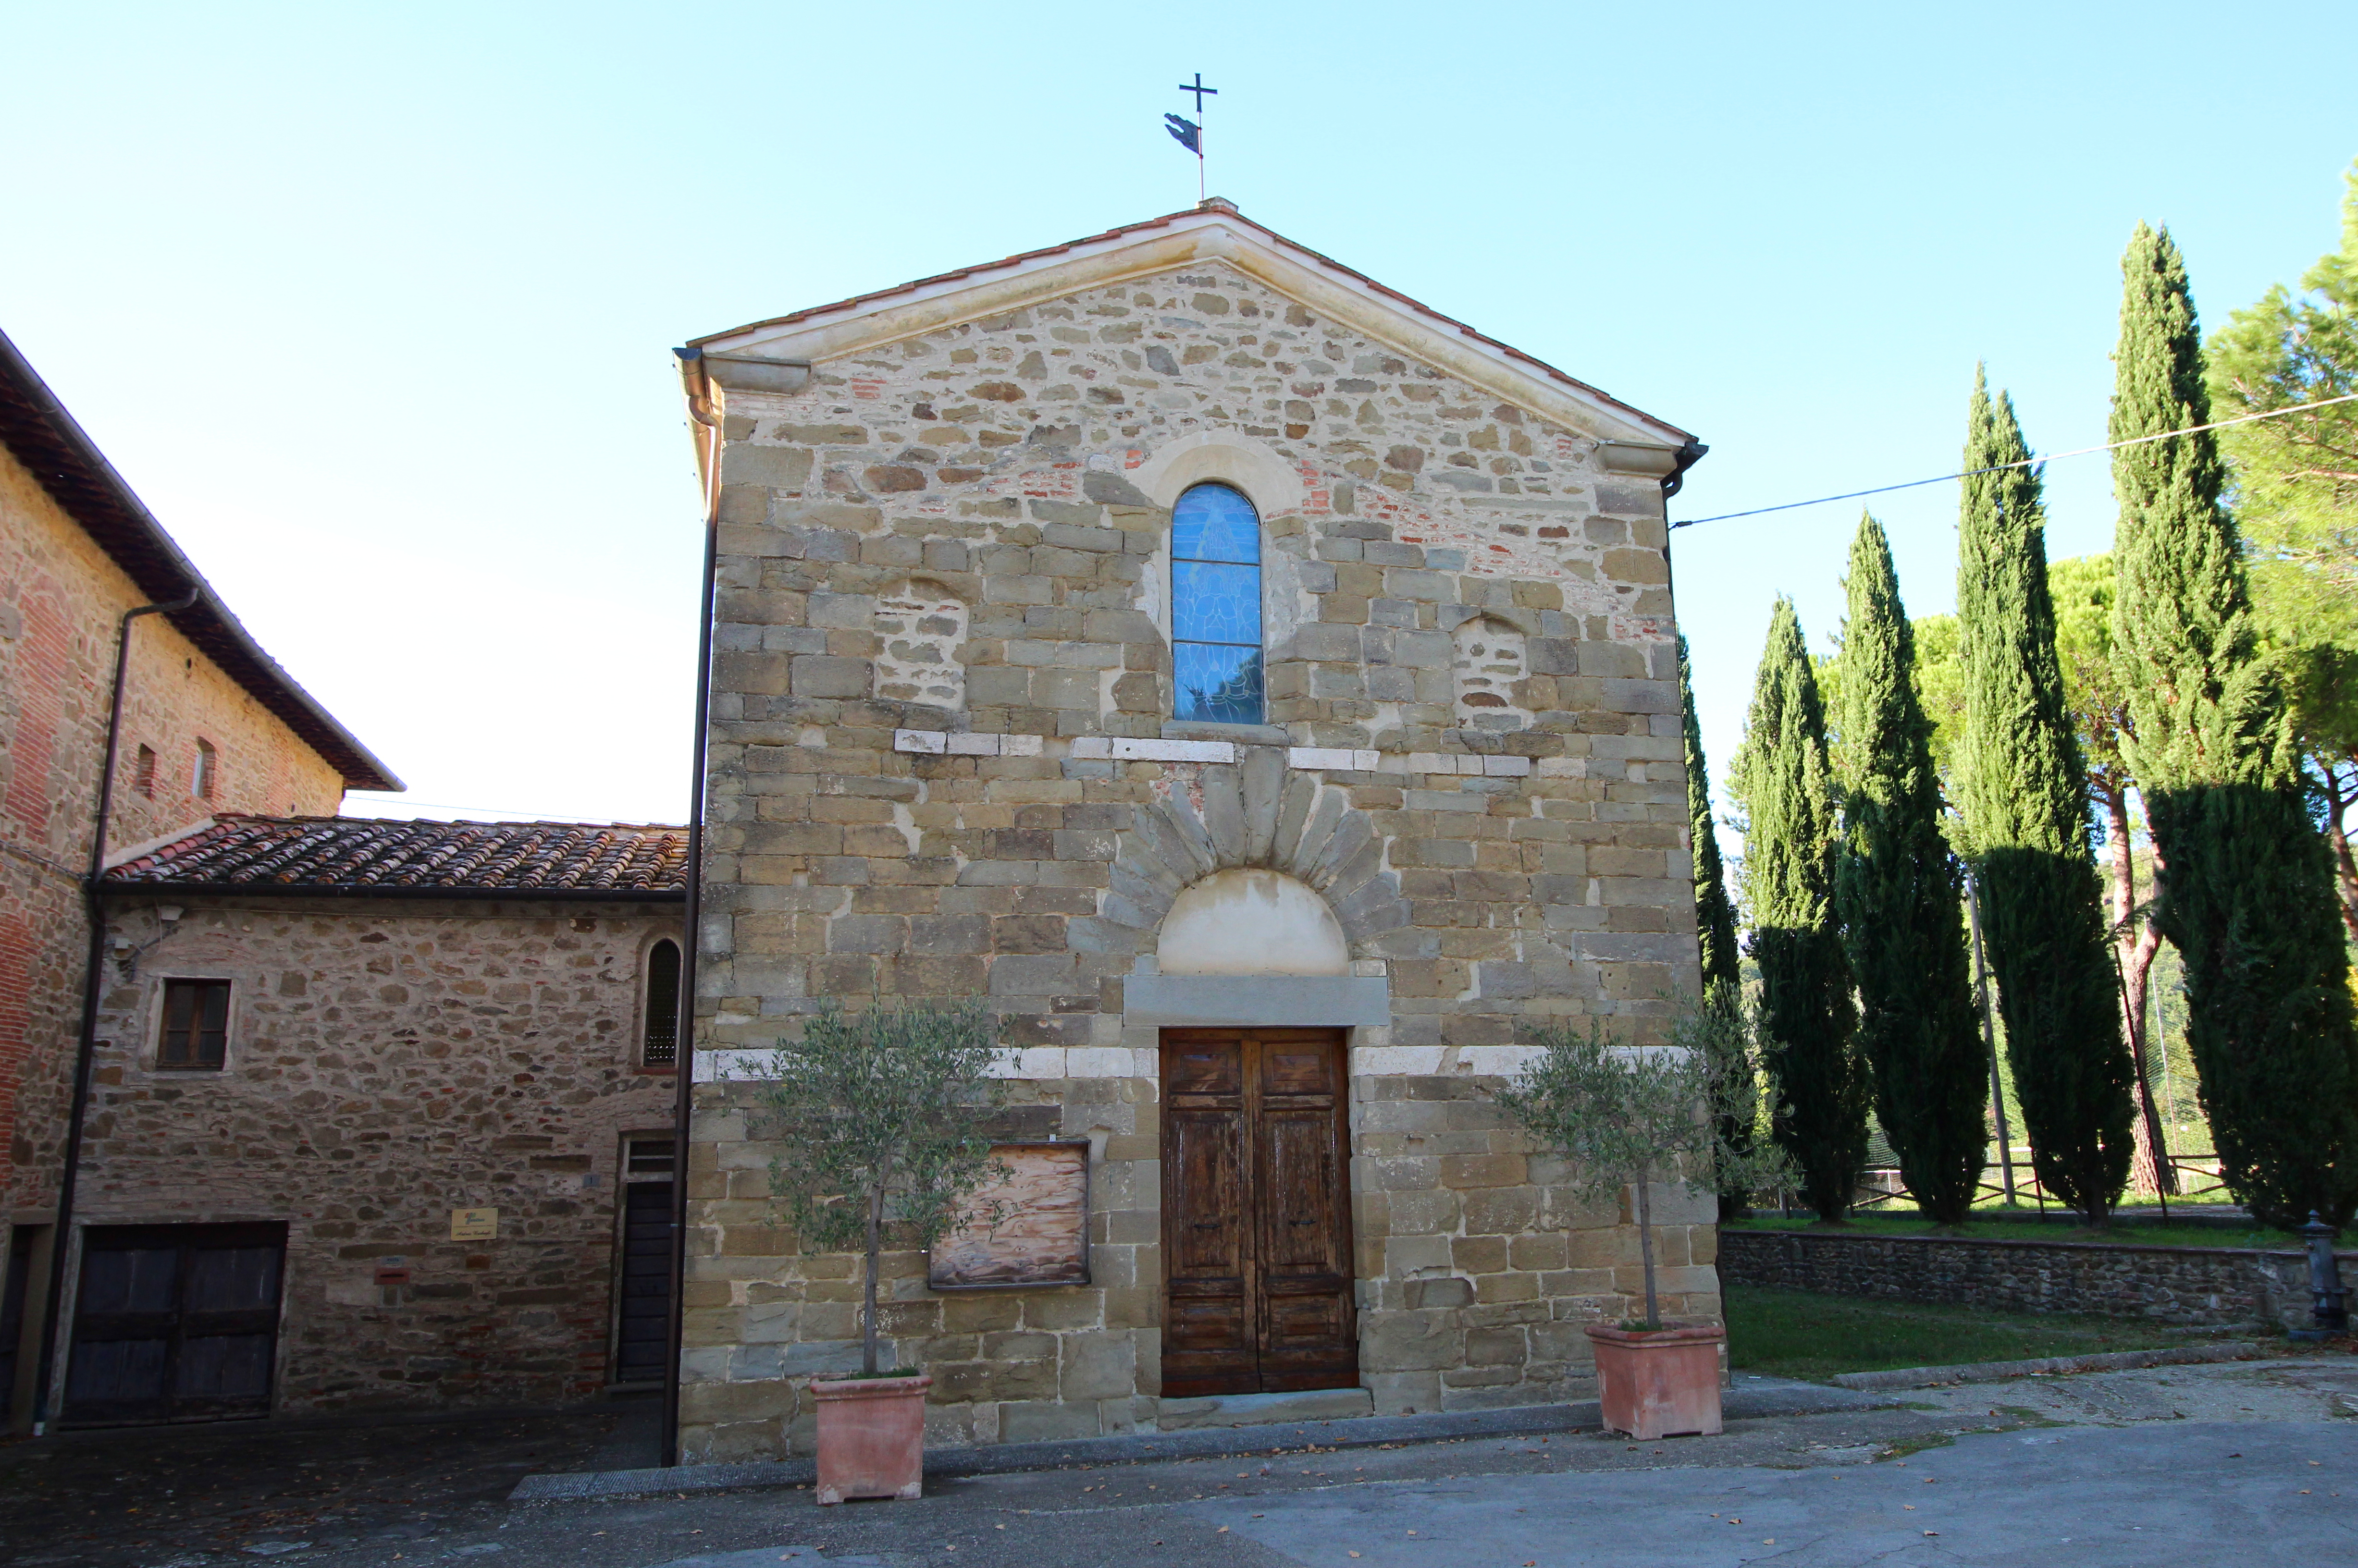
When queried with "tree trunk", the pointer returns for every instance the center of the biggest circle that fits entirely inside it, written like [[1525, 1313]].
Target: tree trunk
[[875, 1248], [2135, 941], [2345, 870], [1646, 1249], [1989, 1036]]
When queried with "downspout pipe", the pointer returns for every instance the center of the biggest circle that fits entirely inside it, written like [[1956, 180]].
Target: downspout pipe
[[684, 1056], [93, 978], [1685, 458]]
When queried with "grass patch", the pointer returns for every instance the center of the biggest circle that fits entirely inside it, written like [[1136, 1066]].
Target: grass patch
[[1980, 1229], [1800, 1333]]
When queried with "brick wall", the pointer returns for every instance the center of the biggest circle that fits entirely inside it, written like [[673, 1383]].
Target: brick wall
[[2227, 1286], [60, 599], [1019, 834], [389, 1061]]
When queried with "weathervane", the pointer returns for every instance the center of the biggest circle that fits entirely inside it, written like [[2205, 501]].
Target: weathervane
[[1189, 133]]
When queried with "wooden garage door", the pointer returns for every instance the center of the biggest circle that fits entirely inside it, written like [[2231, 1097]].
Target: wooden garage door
[[1256, 1212], [174, 1323]]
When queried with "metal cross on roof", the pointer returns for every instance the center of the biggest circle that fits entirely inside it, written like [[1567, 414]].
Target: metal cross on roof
[[1200, 90]]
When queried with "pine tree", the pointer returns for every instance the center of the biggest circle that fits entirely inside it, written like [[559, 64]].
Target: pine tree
[[1899, 892], [1782, 778], [2296, 506], [2023, 792], [1715, 910], [1722, 1002], [2245, 884]]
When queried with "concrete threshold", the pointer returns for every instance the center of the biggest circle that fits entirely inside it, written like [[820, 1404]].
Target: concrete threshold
[[2002, 1372], [1750, 1398]]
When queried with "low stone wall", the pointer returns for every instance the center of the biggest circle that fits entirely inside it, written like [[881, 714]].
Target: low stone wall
[[2196, 1286]]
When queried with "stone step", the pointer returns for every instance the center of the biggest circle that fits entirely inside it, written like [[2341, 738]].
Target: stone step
[[1259, 1410], [1749, 1395]]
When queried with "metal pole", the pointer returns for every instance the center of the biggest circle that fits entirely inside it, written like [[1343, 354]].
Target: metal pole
[[1989, 1035], [692, 920], [93, 982], [2161, 1044]]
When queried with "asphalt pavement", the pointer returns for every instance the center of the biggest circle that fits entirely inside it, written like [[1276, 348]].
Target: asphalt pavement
[[2194, 1465]]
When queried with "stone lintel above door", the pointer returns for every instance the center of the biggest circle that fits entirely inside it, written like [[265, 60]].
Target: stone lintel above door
[[1268, 1002]]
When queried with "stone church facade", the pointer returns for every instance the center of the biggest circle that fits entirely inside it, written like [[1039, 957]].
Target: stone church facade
[[1262, 690]]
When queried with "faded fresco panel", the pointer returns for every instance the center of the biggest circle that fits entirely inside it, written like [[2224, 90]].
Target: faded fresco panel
[[1028, 1228]]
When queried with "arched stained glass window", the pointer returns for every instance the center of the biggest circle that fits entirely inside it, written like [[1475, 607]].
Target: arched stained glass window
[[1216, 606]]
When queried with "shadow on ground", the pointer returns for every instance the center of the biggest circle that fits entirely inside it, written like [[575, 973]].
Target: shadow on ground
[[152, 1494]]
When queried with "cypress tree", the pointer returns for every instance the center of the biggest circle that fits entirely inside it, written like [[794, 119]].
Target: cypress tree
[[2024, 796], [1782, 777], [1722, 1020], [1898, 889], [1715, 910], [2246, 889]]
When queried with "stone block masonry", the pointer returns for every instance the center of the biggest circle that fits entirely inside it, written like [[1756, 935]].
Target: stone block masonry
[[2227, 1287], [1492, 867], [388, 1062]]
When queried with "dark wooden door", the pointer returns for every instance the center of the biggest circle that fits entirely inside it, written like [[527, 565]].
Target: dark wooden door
[[174, 1323], [12, 1307], [642, 1329], [1256, 1212]]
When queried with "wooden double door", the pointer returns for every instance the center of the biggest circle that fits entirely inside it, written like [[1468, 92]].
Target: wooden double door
[[1256, 1212], [174, 1323]]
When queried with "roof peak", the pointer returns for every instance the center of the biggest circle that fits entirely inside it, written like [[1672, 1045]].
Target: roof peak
[[59, 453], [773, 356]]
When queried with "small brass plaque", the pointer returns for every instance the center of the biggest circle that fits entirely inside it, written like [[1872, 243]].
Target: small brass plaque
[[474, 1224]]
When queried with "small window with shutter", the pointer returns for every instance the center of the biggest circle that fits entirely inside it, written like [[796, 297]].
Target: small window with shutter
[[195, 1024], [659, 1030], [201, 781]]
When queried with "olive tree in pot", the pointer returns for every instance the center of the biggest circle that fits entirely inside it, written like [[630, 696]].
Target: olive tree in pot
[[879, 1121], [1630, 1117]]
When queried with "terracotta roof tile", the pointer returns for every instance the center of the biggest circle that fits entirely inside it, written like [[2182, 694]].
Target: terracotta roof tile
[[368, 856]]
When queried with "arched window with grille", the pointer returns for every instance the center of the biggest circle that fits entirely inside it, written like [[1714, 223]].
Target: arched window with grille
[[1215, 653], [659, 1029]]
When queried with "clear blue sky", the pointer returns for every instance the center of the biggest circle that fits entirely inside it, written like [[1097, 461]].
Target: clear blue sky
[[374, 304]]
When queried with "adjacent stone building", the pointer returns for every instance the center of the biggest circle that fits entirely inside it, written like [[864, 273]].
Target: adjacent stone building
[[210, 724], [1261, 689], [393, 1102]]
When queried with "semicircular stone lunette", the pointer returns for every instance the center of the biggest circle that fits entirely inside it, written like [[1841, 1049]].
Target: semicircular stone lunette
[[1256, 815]]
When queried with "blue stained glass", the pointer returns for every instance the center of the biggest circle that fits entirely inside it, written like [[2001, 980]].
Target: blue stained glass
[[1213, 604], [1216, 684], [1214, 523], [1216, 606]]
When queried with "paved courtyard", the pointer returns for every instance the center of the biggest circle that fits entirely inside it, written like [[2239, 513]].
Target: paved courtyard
[[2220, 1463]]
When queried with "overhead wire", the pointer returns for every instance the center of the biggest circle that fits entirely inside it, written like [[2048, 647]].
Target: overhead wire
[[2023, 464]]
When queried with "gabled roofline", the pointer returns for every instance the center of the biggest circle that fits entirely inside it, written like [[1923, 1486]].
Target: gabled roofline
[[1212, 231], [60, 454]]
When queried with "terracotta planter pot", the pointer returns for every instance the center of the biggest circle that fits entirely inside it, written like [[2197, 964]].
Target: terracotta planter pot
[[1663, 1384], [871, 1437]]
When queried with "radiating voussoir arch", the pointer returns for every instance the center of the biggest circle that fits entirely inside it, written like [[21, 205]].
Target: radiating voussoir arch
[[1255, 813]]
